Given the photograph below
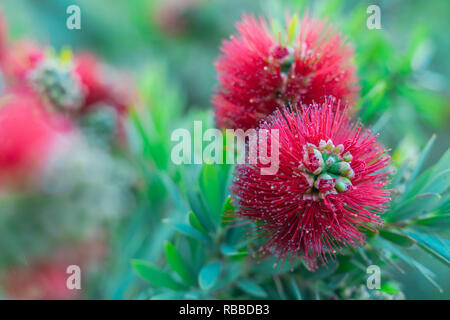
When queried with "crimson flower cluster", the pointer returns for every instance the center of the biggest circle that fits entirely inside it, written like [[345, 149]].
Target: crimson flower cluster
[[328, 188], [258, 73]]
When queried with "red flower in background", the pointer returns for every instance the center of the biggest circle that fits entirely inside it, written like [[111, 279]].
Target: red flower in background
[[326, 190], [92, 94], [27, 135], [105, 88], [259, 73], [46, 278], [102, 84], [79, 87]]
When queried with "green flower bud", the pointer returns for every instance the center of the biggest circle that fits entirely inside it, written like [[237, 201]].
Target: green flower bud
[[342, 184]]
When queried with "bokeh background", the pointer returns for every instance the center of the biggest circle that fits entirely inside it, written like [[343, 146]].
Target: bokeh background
[[166, 50]]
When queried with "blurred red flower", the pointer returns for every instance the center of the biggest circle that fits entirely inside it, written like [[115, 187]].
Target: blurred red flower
[[102, 84], [105, 88], [27, 134], [39, 280]]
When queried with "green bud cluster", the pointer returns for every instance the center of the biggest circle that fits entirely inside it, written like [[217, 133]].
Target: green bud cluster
[[333, 170]]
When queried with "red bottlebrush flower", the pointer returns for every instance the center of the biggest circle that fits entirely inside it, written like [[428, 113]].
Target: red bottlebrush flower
[[326, 191], [27, 134], [258, 72]]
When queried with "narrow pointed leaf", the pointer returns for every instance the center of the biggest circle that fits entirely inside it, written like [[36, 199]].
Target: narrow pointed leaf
[[438, 222], [179, 265], [252, 288], [209, 275], [156, 277], [397, 238], [188, 231], [421, 161], [437, 247]]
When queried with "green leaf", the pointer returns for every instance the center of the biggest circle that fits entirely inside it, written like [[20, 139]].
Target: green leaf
[[179, 265], [228, 250], [397, 238], [372, 99], [390, 288], [421, 161], [232, 271], [187, 230], [167, 296], [174, 193], [437, 247], [419, 183], [438, 222], [386, 246], [443, 163], [157, 277], [227, 209], [427, 180], [295, 289], [440, 183], [252, 288], [419, 205], [197, 201], [428, 104], [210, 185], [209, 275], [193, 221]]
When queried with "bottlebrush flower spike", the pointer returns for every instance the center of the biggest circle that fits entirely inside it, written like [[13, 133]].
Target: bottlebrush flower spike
[[259, 72], [327, 189]]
